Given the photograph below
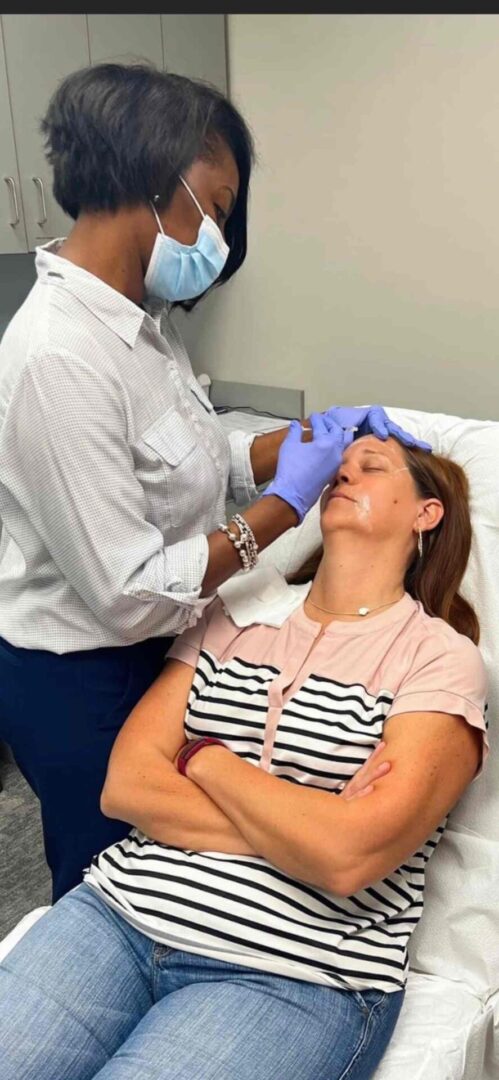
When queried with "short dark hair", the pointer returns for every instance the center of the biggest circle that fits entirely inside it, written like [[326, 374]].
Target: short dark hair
[[118, 135]]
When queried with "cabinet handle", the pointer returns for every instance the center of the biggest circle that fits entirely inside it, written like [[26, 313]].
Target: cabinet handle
[[11, 184], [42, 209]]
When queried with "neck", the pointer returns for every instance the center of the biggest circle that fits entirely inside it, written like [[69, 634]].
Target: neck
[[352, 577], [107, 245]]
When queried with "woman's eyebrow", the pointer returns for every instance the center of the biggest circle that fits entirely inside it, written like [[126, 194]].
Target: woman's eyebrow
[[366, 450]]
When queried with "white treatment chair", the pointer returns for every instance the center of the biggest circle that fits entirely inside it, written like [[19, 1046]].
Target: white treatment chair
[[449, 1024]]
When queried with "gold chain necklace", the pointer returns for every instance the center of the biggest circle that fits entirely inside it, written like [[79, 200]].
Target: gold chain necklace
[[360, 611]]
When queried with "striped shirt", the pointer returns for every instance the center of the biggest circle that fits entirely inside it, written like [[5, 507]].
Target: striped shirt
[[310, 712], [113, 469]]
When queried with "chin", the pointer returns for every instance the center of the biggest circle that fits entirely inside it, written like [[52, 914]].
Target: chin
[[333, 518]]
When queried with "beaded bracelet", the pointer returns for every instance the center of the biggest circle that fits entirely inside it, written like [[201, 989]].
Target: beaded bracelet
[[248, 536], [245, 544], [248, 559]]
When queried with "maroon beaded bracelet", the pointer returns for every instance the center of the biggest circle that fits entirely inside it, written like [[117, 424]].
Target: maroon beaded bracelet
[[192, 748]]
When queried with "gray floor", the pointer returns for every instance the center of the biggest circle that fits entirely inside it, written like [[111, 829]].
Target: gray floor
[[24, 874]]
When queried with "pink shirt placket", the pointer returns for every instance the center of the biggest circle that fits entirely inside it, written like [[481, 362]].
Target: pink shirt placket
[[292, 675]]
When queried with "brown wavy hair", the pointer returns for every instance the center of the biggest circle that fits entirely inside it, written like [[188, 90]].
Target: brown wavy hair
[[435, 578]]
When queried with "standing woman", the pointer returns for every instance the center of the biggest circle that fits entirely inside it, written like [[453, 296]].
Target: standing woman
[[114, 469]]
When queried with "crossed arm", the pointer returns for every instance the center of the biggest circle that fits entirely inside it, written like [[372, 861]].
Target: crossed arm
[[227, 804]]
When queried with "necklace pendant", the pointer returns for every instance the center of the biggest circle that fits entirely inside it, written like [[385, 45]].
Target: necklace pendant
[[363, 611]]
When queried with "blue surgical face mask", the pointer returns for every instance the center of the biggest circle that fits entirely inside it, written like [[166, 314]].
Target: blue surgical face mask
[[182, 271]]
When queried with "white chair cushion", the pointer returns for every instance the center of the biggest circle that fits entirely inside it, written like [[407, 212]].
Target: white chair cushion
[[20, 929], [441, 1034]]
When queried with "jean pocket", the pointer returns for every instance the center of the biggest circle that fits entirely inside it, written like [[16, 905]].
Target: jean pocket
[[367, 999]]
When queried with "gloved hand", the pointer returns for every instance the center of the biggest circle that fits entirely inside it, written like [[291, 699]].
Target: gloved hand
[[304, 468], [372, 420]]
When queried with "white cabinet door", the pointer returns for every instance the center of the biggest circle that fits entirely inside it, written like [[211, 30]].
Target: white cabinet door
[[125, 38], [194, 45], [40, 50], [12, 231]]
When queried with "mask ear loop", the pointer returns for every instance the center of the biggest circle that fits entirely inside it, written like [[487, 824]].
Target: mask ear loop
[[222, 246], [156, 215], [192, 195]]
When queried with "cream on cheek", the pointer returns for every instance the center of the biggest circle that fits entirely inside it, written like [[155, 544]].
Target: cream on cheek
[[363, 509]]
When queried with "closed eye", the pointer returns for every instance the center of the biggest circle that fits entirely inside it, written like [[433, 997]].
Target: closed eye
[[221, 215]]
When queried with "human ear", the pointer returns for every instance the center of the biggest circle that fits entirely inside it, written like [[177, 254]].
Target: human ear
[[430, 515]]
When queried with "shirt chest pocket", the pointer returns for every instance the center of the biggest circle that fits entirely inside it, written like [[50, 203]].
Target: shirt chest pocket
[[173, 470]]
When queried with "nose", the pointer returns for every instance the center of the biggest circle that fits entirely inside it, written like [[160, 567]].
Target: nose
[[344, 475]]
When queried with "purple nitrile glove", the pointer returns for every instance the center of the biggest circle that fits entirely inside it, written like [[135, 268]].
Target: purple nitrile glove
[[372, 420], [304, 468]]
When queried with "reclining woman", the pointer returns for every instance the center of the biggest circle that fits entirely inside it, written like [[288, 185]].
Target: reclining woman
[[251, 925]]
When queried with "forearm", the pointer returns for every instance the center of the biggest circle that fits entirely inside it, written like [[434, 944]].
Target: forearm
[[304, 832], [171, 809], [268, 518], [265, 451]]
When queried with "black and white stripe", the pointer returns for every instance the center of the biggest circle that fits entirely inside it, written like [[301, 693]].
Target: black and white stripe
[[243, 909]]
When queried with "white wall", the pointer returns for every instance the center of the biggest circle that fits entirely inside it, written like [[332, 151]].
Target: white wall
[[373, 272]]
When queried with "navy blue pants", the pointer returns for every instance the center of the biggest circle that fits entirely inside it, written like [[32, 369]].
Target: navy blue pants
[[60, 715]]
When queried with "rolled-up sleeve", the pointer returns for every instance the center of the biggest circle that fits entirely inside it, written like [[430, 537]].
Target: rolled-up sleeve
[[448, 676], [175, 574], [66, 459], [242, 487]]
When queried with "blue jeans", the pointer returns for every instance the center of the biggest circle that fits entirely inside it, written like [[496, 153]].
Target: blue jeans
[[85, 995]]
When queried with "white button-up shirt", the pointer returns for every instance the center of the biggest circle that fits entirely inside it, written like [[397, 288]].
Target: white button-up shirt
[[113, 469]]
